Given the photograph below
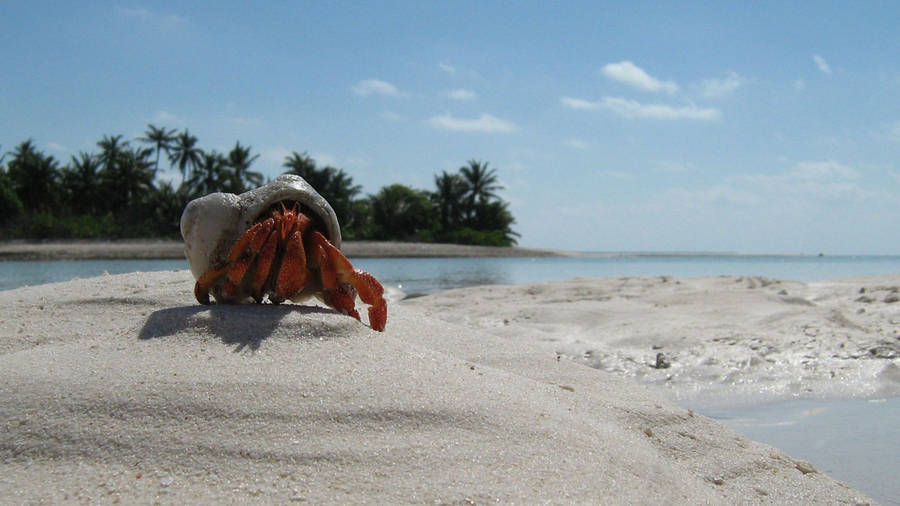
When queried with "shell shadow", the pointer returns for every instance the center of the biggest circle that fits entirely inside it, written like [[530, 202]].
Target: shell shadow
[[228, 322]]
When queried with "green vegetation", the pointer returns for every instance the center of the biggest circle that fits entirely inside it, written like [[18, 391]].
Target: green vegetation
[[117, 193]]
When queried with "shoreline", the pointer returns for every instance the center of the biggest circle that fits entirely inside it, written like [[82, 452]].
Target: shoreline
[[156, 249]]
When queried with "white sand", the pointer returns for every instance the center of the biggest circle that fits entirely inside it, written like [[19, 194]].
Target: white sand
[[726, 339], [123, 388]]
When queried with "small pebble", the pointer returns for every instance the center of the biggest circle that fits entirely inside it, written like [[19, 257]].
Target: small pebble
[[804, 467], [662, 362]]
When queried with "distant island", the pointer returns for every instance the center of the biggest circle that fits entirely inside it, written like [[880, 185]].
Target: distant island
[[170, 249], [118, 193]]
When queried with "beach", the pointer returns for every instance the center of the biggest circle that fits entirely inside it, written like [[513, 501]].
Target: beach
[[700, 340], [123, 388]]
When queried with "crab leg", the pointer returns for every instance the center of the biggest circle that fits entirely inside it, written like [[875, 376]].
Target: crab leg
[[293, 274], [209, 278], [236, 264], [263, 266], [371, 292], [338, 275]]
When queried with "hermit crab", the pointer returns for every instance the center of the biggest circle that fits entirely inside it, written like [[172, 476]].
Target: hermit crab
[[280, 241]]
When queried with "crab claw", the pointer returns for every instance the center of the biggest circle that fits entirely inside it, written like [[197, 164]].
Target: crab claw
[[341, 283]]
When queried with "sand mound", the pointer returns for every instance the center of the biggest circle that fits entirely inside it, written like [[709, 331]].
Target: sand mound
[[122, 388]]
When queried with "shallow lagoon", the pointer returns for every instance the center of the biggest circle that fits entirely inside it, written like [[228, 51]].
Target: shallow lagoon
[[419, 276]]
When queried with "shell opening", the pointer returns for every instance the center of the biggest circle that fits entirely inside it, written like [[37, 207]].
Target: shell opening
[[317, 223]]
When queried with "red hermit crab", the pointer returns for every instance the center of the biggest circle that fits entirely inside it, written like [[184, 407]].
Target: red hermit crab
[[280, 241]]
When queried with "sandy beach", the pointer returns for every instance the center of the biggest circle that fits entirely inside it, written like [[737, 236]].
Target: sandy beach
[[704, 339], [122, 389]]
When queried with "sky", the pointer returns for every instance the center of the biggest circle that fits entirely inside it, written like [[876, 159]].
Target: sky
[[751, 127]]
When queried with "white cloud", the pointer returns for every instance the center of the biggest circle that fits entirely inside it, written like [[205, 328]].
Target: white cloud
[[274, 156], [579, 104], [629, 73], [484, 123], [799, 85], [391, 116], [461, 94], [800, 186], [447, 68], [728, 194], [167, 117], [516, 167], [58, 147], [803, 182], [368, 87], [821, 64], [576, 143], [324, 160], [138, 13], [671, 166], [149, 18], [247, 122], [720, 88], [633, 109], [828, 169]]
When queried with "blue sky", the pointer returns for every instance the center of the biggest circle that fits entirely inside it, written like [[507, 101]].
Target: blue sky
[[641, 126]]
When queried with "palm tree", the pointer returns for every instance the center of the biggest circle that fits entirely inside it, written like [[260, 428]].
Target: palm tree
[[160, 138], [482, 183], [495, 218], [10, 205], [451, 190], [210, 175], [400, 212], [185, 154], [167, 204], [81, 179], [242, 178], [305, 167], [111, 149], [127, 180], [34, 177], [339, 190]]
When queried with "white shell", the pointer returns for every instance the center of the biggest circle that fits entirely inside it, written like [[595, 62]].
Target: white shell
[[210, 225]]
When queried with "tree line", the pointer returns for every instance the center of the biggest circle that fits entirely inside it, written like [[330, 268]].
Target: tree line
[[117, 192]]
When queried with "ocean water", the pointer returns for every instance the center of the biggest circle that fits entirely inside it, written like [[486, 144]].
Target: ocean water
[[428, 275], [418, 276], [856, 441]]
